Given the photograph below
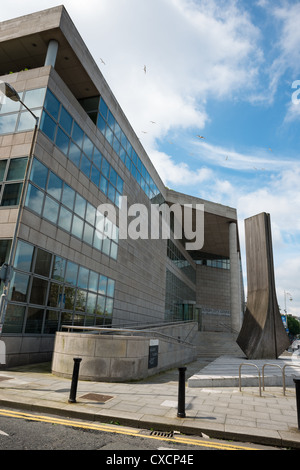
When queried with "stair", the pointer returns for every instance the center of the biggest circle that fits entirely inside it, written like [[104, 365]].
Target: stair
[[215, 344]]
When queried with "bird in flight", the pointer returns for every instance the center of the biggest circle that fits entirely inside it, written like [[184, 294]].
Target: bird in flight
[[145, 68], [102, 61], [200, 136]]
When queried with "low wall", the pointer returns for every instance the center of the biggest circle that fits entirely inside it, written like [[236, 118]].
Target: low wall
[[117, 358], [26, 349]]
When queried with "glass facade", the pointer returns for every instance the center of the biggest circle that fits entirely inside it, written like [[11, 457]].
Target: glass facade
[[104, 119], [180, 299], [51, 198], [63, 130], [180, 261], [15, 118], [214, 263], [12, 173], [48, 291]]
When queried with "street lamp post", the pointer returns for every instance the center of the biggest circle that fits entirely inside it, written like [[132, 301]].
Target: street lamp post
[[285, 294], [8, 91]]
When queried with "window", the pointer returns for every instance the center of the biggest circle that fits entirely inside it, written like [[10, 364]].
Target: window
[[61, 129], [49, 290], [11, 194], [65, 208], [15, 118], [34, 199], [16, 170], [23, 257], [43, 263]]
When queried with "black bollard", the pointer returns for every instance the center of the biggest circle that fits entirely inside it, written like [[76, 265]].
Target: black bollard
[[297, 383], [72, 398], [181, 393]]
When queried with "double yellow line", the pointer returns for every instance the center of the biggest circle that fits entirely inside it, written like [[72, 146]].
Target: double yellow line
[[121, 430]]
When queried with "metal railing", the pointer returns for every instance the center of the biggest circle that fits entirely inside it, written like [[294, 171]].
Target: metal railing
[[252, 365], [128, 331], [263, 374]]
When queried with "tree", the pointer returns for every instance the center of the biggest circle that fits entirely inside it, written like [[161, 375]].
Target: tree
[[293, 325]]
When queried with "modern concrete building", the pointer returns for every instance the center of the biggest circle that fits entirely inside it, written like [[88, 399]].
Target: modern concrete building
[[84, 153]]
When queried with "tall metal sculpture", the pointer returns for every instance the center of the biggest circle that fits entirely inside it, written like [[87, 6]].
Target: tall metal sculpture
[[262, 335]]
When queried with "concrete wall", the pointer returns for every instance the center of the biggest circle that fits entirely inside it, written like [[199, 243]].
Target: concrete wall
[[117, 358], [26, 349]]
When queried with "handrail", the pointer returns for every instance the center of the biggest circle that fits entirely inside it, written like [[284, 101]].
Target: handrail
[[249, 364], [126, 330]]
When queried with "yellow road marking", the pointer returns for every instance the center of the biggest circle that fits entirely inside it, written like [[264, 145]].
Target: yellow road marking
[[120, 430]]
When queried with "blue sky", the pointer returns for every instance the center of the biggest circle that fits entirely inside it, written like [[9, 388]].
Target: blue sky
[[220, 69]]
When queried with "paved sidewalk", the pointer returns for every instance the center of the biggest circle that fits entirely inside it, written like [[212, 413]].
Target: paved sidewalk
[[218, 412]]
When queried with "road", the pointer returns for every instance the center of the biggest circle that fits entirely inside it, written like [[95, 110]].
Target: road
[[32, 431]]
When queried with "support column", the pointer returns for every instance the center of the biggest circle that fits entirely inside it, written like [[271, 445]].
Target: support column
[[235, 298], [51, 53]]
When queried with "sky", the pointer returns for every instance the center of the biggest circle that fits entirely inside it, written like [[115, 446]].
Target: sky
[[212, 90]]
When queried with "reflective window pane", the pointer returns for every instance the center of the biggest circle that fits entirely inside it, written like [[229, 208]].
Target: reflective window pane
[[19, 287], [88, 234], [65, 120], [39, 174], [74, 154], [77, 226], [69, 298], [14, 319], [77, 135], [8, 123], [23, 257], [88, 147], [65, 219], [2, 169], [52, 104], [80, 300], [102, 285], [34, 320], [83, 277], [34, 199], [71, 273], [51, 322], [51, 209], [34, 98], [103, 184], [38, 291], [91, 303], [62, 141], [58, 270], [4, 250], [27, 121], [110, 287], [48, 126], [16, 169], [95, 175], [80, 205], [54, 297], [93, 281], [55, 186], [105, 167], [43, 262], [68, 196], [90, 214], [85, 165], [11, 194]]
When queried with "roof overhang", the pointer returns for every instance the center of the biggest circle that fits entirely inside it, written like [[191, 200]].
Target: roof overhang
[[24, 43], [217, 218]]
